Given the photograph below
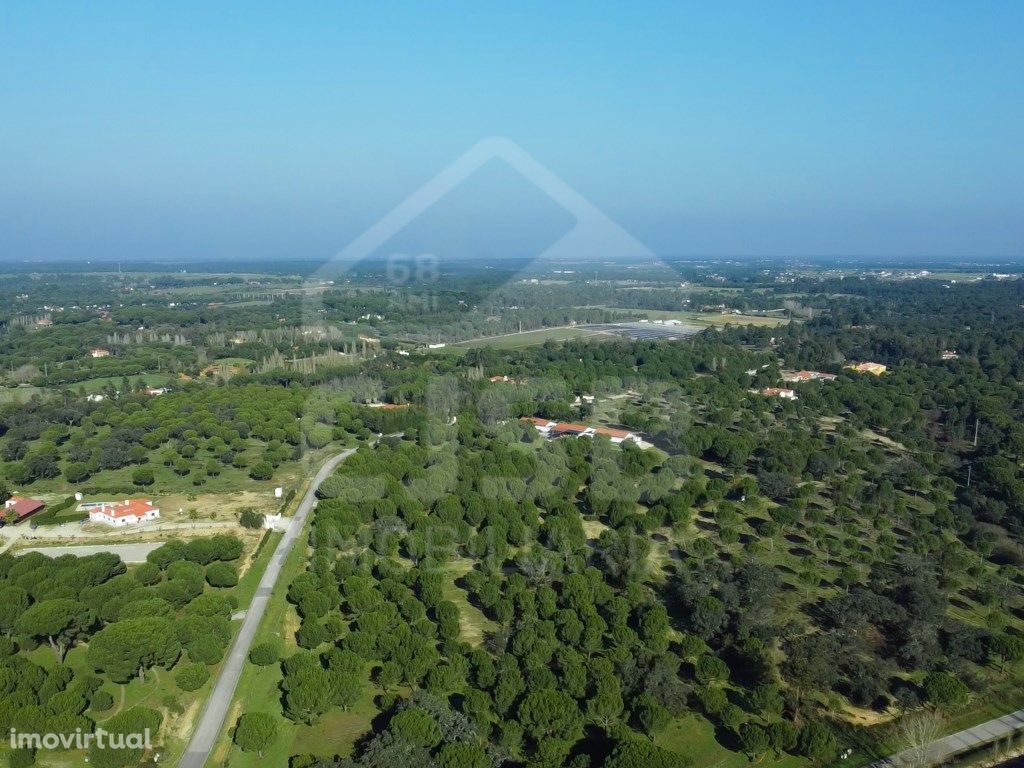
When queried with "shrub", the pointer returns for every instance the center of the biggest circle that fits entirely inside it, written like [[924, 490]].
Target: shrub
[[101, 701], [946, 690], [261, 470], [250, 518], [142, 476], [264, 654], [148, 574], [192, 677], [221, 575]]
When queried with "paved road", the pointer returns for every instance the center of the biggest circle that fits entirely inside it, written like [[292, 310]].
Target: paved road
[[129, 553], [216, 709], [941, 750]]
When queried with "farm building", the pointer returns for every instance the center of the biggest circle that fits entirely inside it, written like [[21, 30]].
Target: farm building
[[21, 507]]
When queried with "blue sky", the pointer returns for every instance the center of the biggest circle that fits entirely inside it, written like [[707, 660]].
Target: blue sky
[[186, 131]]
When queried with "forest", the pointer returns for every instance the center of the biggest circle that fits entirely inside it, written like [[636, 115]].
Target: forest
[[769, 580]]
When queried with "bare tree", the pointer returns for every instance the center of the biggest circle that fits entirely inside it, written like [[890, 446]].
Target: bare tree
[[915, 732]]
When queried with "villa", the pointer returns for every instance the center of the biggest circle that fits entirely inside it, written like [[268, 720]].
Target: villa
[[808, 376], [785, 394], [127, 512], [565, 429]]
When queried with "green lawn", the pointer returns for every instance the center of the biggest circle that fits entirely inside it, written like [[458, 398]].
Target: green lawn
[[242, 362], [694, 736], [91, 386], [21, 394]]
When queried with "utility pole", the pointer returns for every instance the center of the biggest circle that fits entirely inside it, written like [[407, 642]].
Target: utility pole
[[977, 421], [969, 468]]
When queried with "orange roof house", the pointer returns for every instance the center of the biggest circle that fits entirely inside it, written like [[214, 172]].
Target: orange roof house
[[564, 428], [127, 512], [809, 376], [567, 429], [786, 394]]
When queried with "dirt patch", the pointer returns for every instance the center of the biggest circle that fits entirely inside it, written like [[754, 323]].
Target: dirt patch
[[181, 726], [215, 506], [882, 440], [864, 717], [593, 528], [250, 541], [289, 627]]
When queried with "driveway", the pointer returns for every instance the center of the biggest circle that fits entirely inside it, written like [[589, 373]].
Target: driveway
[[212, 718]]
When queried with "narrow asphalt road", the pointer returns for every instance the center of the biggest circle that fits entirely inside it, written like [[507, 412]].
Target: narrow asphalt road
[[212, 718], [938, 752]]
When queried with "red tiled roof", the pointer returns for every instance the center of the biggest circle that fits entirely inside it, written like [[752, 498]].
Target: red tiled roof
[[612, 432], [23, 507], [137, 507], [564, 427], [773, 391]]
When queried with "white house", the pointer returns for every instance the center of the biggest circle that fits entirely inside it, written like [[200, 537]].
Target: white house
[[785, 394], [127, 512], [544, 426]]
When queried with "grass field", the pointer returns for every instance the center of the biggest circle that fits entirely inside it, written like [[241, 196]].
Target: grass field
[[525, 339], [218, 495], [91, 386], [242, 362], [705, 318], [21, 394], [694, 737]]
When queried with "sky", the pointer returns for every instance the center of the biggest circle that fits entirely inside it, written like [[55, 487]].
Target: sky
[[193, 131]]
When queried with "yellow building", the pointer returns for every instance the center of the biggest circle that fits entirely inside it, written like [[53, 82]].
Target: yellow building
[[875, 369]]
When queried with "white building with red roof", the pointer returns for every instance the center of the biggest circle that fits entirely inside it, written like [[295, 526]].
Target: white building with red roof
[[565, 429], [809, 376], [785, 394], [617, 436], [544, 426], [127, 512]]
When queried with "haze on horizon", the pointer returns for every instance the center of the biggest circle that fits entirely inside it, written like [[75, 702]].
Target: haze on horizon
[[250, 132]]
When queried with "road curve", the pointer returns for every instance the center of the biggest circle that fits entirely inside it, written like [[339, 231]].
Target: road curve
[[212, 718]]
